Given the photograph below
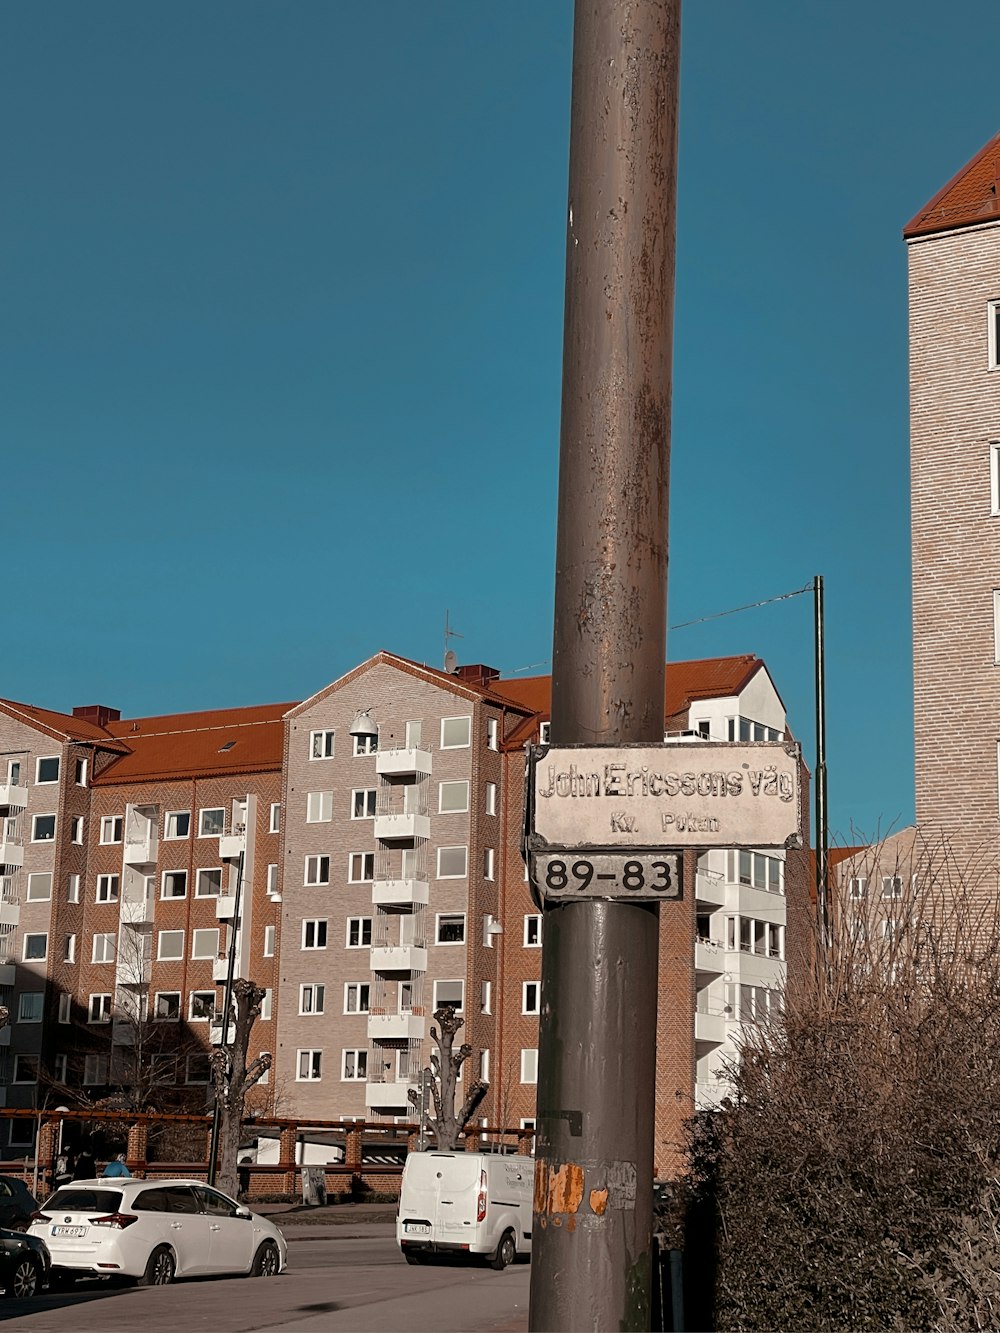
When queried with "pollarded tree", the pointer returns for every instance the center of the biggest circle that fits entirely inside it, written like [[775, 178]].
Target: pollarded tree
[[446, 1065], [232, 1077]]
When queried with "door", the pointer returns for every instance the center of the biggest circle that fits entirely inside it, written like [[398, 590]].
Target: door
[[231, 1235], [185, 1227]]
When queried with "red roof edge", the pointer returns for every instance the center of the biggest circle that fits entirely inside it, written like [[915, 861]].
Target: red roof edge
[[941, 215]]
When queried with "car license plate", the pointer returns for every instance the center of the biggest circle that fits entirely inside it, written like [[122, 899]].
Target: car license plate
[[69, 1231], [416, 1229]]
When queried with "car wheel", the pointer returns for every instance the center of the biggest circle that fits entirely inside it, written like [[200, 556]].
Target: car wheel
[[412, 1257], [267, 1261], [24, 1279], [506, 1252], [160, 1268]]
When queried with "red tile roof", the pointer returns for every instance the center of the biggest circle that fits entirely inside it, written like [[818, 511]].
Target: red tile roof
[[970, 197], [60, 726], [192, 744]]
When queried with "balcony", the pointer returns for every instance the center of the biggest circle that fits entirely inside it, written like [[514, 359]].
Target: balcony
[[388, 1098], [396, 1027], [225, 907], [409, 762], [10, 912], [5, 1036], [232, 845], [122, 1032], [708, 1095], [142, 850], [710, 1028], [11, 855], [709, 889], [402, 826], [398, 958], [12, 796], [7, 974], [400, 895], [220, 970], [709, 958], [136, 909]]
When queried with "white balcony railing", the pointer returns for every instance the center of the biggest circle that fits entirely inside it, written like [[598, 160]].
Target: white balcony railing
[[398, 958], [13, 796], [234, 843], [408, 761], [400, 893], [396, 1027], [402, 825]]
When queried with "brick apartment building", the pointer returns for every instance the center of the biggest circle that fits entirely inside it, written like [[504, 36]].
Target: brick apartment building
[[378, 826], [953, 248]]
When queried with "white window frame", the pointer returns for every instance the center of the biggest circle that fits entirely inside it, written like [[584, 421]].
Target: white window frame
[[486, 997], [172, 874], [65, 1008], [363, 878], [531, 991], [162, 957], [77, 827], [80, 769], [29, 1063], [109, 889], [895, 886], [362, 921], [533, 925], [459, 809], [449, 981], [47, 759], [316, 922], [35, 878], [270, 933], [489, 863], [312, 998], [73, 889], [492, 734], [199, 934], [103, 947], [529, 1064], [491, 798], [439, 920], [34, 935], [996, 625], [370, 796], [312, 871], [69, 949], [166, 1018], [858, 886], [272, 879], [36, 819], [326, 744], [204, 1018], [357, 986], [312, 1059], [96, 1070], [462, 745], [458, 848], [360, 1054], [103, 1010], [33, 1013], [113, 825], [211, 810], [993, 349], [174, 815], [207, 870], [274, 819], [319, 807], [995, 479], [266, 1006], [59, 1064], [364, 745]]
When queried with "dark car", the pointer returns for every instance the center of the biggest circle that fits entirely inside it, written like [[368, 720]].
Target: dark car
[[17, 1203], [24, 1264]]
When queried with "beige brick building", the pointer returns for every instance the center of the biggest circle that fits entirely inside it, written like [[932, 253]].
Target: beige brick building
[[953, 249]]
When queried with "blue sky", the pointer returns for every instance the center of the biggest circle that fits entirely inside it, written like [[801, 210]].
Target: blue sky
[[280, 342]]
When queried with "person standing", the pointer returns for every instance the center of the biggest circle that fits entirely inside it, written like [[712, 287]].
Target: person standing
[[117, 1167]]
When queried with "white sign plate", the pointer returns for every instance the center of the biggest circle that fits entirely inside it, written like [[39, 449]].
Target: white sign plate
[[677, 795], [636, 877]]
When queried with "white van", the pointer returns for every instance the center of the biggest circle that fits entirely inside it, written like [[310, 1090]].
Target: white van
[[465, 1203]]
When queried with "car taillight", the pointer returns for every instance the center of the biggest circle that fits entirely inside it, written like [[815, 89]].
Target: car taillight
[[117, 1220], [40, 1217], [481, 1201]]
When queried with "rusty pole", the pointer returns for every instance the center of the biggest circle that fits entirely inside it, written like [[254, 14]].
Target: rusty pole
[[594, 1175]]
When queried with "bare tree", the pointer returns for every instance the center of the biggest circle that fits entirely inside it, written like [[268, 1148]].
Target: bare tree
[[232, 1077], [446, 1065]]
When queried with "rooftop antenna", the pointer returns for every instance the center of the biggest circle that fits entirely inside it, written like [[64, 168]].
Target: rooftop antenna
[[450, 658]]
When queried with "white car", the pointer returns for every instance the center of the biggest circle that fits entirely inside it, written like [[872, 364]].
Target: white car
[[154, 1231]]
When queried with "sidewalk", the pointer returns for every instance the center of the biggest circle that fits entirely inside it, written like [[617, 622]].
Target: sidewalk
[[294, 1215]]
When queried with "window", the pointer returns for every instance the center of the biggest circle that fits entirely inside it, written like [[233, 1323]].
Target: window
[[544, 729], [39, 888], [996, 625], [167, 1007], [25, 1069], [532, 932], [269, 933], [65, 1008], [111, 828], [107, 888], [36, 948], [319, 807], [177, 824], [43, 828], [73, 889], [80, 772], [449, 992], [314, 934], [265, 1006], [317, 870], [170, 945], [175, 884], [414, 731], [365, 744], [993, 333], [202, 1005], [362, 867], [205, 944], [757, 870], [453, 798], [272, 879], [99, 1009], [456, 733], [162, 1070], [274, 824], [312, 999], [450, 928], [486, 997], [529, 1065], [530, 992], [858, 887], [892, 886], [759, 937], [356, 997], [488, 862], [321, 744], [59, 1065], [745, 729], [355, 1066], [102, 950], [453, 862], [309, 1066], [208, 883], [484, 1067], [47, 770], [363, 803], [491, 798], [359, 932], [995, 478], [95, 1071], [76, 829], [30, 1006], [197, 1069], [492, 734], [211, 823], [69, 949]]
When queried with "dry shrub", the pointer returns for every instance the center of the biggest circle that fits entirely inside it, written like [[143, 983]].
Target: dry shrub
[[851, 1177]]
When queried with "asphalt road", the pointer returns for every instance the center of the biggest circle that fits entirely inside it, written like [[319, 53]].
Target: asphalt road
[[340, 1280]]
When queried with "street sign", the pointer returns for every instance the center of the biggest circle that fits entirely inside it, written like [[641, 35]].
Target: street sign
[[637, 877], [677, 795]]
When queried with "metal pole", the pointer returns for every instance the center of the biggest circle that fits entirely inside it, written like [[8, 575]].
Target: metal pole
[[592, 1239], [822, 826], [227, 1003]]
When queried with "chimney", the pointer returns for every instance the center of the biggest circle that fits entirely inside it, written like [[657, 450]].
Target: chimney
[[476, 674], [99, 714]]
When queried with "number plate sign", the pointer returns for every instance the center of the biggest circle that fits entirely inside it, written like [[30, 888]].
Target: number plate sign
[[571, 876]]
